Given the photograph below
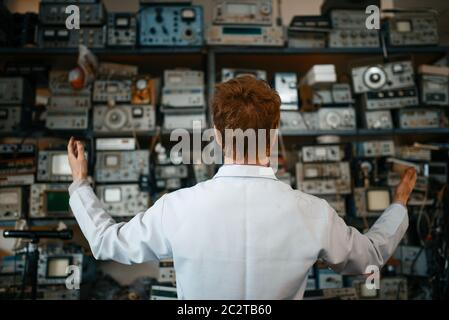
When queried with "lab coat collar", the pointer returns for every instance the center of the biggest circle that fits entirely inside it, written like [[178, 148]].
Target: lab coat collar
[[236, 170]]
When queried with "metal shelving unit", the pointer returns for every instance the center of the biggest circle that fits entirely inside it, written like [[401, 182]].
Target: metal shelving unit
[[208, 56]]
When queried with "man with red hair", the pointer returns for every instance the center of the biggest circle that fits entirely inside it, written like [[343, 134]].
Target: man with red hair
[[243, 234]]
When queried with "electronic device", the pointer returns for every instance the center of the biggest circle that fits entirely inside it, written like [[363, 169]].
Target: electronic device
[[292, 120], [245, 35], [106, 144], [329, 279], [53, 266], [337, 93], [330, 5], [121, 119], [143, 90], [183, 78], [11, 203], [183, 98], [17, 164], [414, 153], [390, 99], [10, 118], [229, 73], [393, 75], [348, 19], [371, 202], [170, 177], [14, 91], [376, 148], [394, 178], [413, 260], [187, 121], [166, 272], [324, 178], [54, 165], [114, 71], [349, 30], [59, 85], [412, 29], [173, 25], [53, 13], [435, 89], [69, 102], [336, 118], [245, 22], [393, 288], [378, 119], [171, 171], [67, 119], [121, 29], [320, 74], [286, 84], [353, 38], [57, 292], [59, 37], [123, 200], [183, 89], [419, 118], [16, 180], [49, 201], [308, 31], [163, 293], [243, 12], [329, 153], [122, 166], [337, 202], [112, 90], [306, 39]]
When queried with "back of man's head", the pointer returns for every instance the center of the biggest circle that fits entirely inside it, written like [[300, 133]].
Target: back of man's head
[[245, 103]]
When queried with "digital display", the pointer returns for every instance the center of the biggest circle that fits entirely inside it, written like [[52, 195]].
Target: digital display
[[57, 266], [377, 200], [242, 31], [113, 195], [9, 198], [112, 161], [57, 202], [60, 165], [122, 22], [404, 26], [241, 9]]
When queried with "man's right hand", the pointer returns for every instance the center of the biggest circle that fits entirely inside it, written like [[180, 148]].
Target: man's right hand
[[405, 187]]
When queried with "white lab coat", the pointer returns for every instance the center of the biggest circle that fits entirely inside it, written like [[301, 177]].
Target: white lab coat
[[241, 235]]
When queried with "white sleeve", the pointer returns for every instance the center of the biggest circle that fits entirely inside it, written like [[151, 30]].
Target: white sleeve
[[350, 252], [139, 240]]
